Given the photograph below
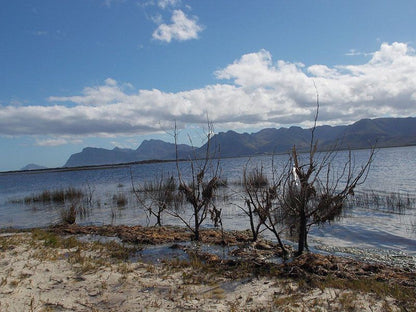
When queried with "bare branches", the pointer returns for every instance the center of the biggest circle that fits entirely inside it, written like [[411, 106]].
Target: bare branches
[[311, 193], [262, 209], [157, 196], [200, 188]]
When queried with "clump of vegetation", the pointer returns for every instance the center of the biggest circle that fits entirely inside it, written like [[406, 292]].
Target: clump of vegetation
[[120, 200], [68, 216], [55, 196], [255, 178]]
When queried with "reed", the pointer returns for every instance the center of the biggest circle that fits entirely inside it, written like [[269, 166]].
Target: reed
[[55, 196], [392, 202], [120, 200]]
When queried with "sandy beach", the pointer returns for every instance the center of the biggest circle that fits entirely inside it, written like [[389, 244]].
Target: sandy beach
[[40, 271]]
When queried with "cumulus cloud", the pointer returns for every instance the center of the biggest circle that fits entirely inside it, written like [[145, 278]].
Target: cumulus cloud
[[182, 28], [108, 93], [253, 91]]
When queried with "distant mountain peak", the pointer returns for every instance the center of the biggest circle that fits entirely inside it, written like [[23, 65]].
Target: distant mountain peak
[[33, 167]]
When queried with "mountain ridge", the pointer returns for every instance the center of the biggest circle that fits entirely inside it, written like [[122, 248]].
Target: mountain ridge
[[383, 132]]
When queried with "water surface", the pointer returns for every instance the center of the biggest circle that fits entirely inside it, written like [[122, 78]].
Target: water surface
[[363, 228]]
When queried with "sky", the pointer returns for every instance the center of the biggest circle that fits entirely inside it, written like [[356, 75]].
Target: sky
[[112, 73]]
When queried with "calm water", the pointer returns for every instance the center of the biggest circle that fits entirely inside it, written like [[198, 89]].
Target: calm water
[[363, 229]]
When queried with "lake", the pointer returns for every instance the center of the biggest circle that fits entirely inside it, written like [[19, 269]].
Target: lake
[[365, 231]]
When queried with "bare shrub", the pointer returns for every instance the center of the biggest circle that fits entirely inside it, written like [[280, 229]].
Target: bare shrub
[[199, 190], [261, 204], [310, 193], [255, 189], [157, 196]]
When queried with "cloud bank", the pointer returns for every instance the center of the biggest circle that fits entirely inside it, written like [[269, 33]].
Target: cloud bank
[[253, 91]]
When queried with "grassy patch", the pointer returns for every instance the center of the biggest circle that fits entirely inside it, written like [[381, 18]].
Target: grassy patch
[[85, 256], [382, 289]]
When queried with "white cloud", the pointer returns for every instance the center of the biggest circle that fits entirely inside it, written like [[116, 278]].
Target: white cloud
[[109, 93], [51, 142], [182, 28], [354, 52], [108, 3], [157, 19], [254, 92], [163, 4], [40, 33], [56, 141]]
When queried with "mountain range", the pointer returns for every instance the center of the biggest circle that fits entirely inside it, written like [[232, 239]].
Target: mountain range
[[382, 132]]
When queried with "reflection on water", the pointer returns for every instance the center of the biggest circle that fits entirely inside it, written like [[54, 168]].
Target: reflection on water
[[365, 228]]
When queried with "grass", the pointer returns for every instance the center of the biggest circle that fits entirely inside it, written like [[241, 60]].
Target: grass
[[55, 196], [381, 289], [88, 256]]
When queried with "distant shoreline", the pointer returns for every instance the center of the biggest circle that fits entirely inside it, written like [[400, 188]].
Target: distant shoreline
[[88, 167]]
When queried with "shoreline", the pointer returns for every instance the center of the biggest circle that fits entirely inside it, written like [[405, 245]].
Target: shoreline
[[51, 269]]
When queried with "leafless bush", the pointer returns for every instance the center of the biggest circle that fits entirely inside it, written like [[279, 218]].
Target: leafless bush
[[157, 196], [261, 206], [199, 190], [255, 194], [310, 193]]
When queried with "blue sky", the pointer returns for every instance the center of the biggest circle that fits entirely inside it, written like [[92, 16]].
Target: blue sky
[[109, 73]]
